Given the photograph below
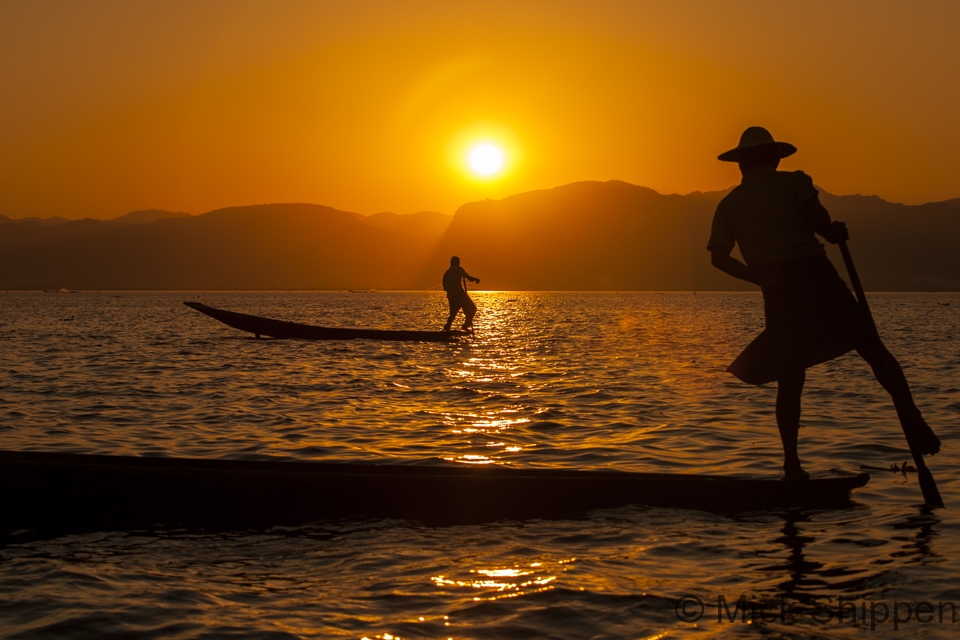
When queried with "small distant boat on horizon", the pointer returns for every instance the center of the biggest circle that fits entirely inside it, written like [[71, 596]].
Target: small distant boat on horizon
[[282, 329]]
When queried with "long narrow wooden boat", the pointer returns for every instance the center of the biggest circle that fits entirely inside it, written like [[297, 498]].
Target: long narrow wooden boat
[[271, 328], [76, 491]]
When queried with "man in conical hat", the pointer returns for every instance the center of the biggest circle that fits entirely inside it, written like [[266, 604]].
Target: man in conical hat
[[811, 316]]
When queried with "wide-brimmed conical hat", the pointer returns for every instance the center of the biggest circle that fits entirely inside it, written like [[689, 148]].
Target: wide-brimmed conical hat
[[753, 138]]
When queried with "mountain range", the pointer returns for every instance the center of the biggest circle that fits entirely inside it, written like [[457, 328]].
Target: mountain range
[[581, 236]]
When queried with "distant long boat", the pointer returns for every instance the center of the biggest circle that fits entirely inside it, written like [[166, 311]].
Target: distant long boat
[[78, 491], [293, 330]]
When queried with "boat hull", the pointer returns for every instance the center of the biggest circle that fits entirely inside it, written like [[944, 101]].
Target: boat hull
[[76, 491], [268, 327]]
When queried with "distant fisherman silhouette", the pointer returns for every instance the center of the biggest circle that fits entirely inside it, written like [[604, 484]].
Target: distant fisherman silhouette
[[811, 316], [457, 294]]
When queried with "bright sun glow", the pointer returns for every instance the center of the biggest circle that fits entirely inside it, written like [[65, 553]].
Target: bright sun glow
[[486, 159]]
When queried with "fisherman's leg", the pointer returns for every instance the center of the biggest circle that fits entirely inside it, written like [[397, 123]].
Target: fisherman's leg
[[454, 308], [887, 371], [789, 390], [889, 374], [469, 310]]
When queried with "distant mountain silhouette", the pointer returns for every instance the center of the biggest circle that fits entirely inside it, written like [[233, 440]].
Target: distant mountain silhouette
[[429, 222], [898, 247], [586, 236], [278, 246], [146, 216], [615, 235], [45, 222]]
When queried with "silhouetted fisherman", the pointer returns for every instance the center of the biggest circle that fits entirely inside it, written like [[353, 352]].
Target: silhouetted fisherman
[[811, 315], [457, 294]]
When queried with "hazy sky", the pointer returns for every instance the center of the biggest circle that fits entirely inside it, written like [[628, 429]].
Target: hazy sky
[[372, 106]]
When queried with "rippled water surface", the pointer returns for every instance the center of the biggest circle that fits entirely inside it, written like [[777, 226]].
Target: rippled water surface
[[631, 381]]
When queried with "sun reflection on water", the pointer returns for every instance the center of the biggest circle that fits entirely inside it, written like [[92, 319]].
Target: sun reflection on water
[[475, 425], [471, 459], [491, 422], [509, 582]]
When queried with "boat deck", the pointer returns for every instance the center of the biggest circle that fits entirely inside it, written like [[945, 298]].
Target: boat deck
[[96, 491]]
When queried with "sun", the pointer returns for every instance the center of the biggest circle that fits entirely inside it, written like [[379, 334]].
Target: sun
[[485, 159], [484, 154]]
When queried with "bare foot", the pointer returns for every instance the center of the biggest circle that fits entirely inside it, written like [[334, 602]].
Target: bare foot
[[921, 437], [794, 474]]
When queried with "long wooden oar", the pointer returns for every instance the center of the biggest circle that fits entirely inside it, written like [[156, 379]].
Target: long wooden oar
[[931, 495], [463, 283]]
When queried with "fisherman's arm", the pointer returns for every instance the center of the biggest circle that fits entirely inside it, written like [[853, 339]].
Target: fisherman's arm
[[468, 276], [720, 258], [722, 240], [818, 218]]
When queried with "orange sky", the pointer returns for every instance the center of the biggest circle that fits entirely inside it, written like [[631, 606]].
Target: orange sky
[[366, 106]]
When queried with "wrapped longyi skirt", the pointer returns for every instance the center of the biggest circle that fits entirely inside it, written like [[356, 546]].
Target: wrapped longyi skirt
[[811, 317]]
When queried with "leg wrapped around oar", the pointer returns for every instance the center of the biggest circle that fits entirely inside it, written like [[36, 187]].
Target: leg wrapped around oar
[[469, 310], [920, 437]]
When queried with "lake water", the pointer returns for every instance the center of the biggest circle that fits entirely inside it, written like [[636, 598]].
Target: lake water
[[580, 380]]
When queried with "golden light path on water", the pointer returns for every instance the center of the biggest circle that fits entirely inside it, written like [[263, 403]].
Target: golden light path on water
[[497, 583]]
